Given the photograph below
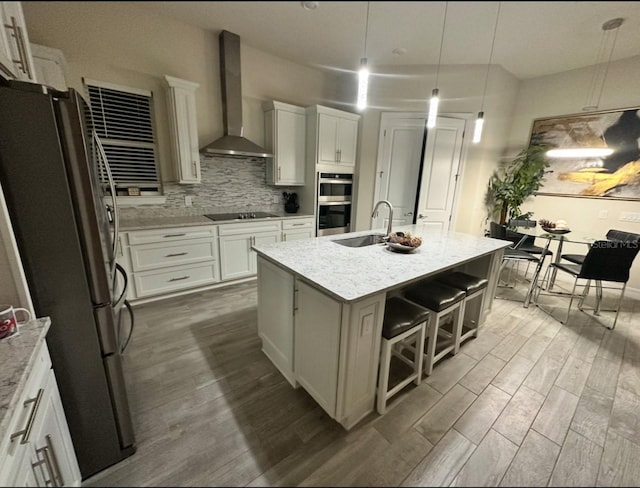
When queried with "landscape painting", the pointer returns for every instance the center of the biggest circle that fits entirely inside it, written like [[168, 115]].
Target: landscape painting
[[614, 176]]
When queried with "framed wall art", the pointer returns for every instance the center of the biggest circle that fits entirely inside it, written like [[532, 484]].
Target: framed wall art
[[615, 176]]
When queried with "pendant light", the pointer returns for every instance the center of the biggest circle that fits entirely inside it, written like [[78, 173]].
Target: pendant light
[[363, 74], [477, 131], [435, 93], [595, 149]]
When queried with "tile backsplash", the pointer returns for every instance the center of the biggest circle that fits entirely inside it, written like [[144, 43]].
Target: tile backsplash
[[227, 184]]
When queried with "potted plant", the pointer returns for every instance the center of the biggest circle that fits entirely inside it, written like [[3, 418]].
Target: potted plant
[[511, 185]]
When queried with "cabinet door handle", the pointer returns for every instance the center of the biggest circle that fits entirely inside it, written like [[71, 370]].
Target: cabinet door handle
[[284, 237], [295, 300], [174, 235], [23, 50], [181, 278], [195, 169], [279, 173], [176, 254], [22, 53], [339, 155], [26, 432]]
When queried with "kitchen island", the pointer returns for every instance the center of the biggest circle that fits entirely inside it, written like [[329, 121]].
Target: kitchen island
[[321, 306]]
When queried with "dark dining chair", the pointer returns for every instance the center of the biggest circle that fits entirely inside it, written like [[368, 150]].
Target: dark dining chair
[[607, 260], [528, 244], [512, 255], [612, 235]]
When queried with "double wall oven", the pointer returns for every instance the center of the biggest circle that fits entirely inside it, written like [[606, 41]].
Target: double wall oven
[[334, 203]]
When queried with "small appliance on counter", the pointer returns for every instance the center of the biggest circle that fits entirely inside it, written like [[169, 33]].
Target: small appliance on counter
[[291, 204]]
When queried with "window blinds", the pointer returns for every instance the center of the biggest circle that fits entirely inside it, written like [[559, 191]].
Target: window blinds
[[122, 119]]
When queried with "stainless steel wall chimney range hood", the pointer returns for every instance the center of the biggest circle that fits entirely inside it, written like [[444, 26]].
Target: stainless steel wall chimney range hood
[[232, 143]]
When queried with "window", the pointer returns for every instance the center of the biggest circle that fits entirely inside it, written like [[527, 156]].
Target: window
[[122, 119]]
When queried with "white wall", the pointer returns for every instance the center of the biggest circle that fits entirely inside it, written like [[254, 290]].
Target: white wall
[[565, 93], [407, 89]]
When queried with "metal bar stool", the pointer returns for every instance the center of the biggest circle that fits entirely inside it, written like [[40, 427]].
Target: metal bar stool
[[441, 300], [473, 303], [402, 319]]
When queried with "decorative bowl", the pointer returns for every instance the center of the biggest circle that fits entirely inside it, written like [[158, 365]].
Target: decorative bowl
[[394, 246], [556, 231]]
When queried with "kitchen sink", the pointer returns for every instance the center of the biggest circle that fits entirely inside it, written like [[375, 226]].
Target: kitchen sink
[[361, 241]]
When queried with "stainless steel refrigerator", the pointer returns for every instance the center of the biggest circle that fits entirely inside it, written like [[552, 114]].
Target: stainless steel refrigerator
[[66, 234]]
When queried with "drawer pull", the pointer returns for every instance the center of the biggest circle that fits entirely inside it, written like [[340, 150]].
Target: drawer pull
[[176, 254], [26, 432], [181, 278], [174, 235], [55, 467], [296, 225], [51, 462]]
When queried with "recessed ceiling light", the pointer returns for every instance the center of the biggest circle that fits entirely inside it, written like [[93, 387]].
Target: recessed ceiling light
[[309, 5], [399, 51]]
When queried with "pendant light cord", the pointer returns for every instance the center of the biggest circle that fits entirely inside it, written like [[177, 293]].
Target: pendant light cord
[[366, 29], [606, 69], [493, 42], [444, 22], [600, 69]]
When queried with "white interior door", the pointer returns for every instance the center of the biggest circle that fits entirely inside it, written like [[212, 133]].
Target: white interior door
[[399, 166], [440, 174]]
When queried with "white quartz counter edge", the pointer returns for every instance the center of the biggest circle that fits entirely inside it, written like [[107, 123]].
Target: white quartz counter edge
[[350, 274], [145, 223], [18, 356]]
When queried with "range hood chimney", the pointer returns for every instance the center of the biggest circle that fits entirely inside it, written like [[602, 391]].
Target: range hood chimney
[[232, 143]]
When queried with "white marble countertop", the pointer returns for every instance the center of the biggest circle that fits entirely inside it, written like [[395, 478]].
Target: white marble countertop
[[353, 273], [160, 222], [18, 355]]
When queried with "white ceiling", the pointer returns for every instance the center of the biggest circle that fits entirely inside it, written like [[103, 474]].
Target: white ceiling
[[532, 38]]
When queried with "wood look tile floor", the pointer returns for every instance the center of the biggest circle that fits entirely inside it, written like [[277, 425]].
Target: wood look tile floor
[[530, 402]]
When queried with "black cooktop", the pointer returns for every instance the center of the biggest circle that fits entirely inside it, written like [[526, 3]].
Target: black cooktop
[[240, 216]]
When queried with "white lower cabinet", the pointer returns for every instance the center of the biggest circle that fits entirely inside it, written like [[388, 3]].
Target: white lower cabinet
[[275, 316], [295, 229], [176, 278], [336, 345], [40, 452], [316, 336], [237, 259], [162, 261]]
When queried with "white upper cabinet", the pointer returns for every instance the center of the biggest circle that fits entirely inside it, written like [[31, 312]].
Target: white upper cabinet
[[285, 137], [49, 65], [333, 137], [181, 104], [15, 51]]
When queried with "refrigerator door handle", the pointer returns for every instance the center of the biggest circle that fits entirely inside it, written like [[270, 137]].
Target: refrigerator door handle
[[123, 294], [130, 310], [112, 188]]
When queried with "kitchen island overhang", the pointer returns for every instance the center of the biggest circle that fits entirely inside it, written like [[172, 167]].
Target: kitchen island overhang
[[321, 306]]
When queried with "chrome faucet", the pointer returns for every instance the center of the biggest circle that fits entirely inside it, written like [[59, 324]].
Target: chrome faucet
[[375, 213]]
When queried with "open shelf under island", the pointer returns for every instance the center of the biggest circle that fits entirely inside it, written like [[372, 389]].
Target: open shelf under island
[[321, 306]]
